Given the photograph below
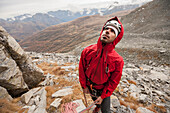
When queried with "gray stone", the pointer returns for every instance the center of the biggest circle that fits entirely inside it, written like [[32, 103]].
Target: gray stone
[[158, 75], [62, 92], [143, 98], [32, 109], [125, 90], [129, 110], [27, 96], [17, 71], [56, 102], [128, 65], [134, 95], [40, 110], [81, 105], [121, 109], [41, 107], [72, 75], [48, 75], [51, 82], [45, 82], [143, 110], [42, 99], [159, 93], [114, 101], [37, 100], [10, 75], [125, 81], [68, 67], [133, 88], [48, 80], [147, 89], [4, 94]]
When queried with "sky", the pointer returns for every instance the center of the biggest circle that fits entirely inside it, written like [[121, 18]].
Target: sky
[[11, 8]]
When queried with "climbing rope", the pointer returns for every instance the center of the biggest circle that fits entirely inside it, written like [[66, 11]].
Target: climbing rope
[[69, 107]]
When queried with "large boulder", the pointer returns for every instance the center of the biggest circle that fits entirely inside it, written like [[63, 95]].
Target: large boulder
[[17, 71], [4, 94]]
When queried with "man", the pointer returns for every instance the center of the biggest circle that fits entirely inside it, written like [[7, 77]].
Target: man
[[100, 66]]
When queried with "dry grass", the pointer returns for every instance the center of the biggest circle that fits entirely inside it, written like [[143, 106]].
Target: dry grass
[[152, 107], [56, 70], [15, 100], [8, 107], [52, 68], [23, 111], [132, 82], [61, 82], [134, 104], [78, 94], [131, 103], [50, 90]]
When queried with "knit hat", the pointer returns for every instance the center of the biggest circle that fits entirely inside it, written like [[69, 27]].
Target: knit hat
[[113, 24]]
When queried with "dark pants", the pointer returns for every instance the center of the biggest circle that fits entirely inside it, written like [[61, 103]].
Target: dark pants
[[105, 105]]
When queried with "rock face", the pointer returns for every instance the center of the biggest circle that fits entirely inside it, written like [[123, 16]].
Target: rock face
[[4, 94], [17, 72]]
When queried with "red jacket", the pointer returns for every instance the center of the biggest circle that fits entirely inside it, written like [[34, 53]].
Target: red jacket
[[102, 65]]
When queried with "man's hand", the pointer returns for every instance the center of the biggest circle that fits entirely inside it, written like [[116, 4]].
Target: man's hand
[[86, 90], [98, 100]]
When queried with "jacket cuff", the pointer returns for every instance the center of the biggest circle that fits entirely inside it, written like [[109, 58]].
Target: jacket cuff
[[84, 87], [103, 96]]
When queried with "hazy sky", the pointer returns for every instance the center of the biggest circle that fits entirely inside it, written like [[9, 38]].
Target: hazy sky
[[10, 8]]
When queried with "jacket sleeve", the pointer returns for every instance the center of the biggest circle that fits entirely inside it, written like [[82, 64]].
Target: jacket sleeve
[[82, 76], [113, 81]]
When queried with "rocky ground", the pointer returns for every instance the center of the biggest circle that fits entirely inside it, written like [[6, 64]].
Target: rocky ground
[[142, 89], [139, 48], [144, 86]]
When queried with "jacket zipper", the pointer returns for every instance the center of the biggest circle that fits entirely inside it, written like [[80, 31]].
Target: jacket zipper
[[98, 62], [89, 63]]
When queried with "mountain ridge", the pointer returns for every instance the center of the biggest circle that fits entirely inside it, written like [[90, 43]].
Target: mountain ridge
[[73, 36], [25, 25], [82, 30]]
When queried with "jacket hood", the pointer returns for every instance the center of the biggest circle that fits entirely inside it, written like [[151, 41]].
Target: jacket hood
[[117, 39]]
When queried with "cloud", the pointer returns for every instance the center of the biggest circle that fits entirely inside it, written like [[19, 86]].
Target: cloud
[[10, 8]]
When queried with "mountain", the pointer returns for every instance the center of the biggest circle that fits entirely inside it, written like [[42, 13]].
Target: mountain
[[66, 36], [23, 26], [68, 15], [152, 31], [150, 20]]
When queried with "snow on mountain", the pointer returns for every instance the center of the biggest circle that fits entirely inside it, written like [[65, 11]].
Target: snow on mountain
[[25, 16], [32, 23], [106, 4], [74, 11], [19, 18]]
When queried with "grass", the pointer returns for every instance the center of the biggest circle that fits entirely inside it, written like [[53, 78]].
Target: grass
[[77, 90], [53, 68], [8, 106], [133, 103], [59, 84], [143, 55], [132, 82]]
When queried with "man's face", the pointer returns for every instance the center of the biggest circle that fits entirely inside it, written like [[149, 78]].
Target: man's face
[[108, 35]]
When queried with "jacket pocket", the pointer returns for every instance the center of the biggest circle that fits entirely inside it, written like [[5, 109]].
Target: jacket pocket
[[110, 67]]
